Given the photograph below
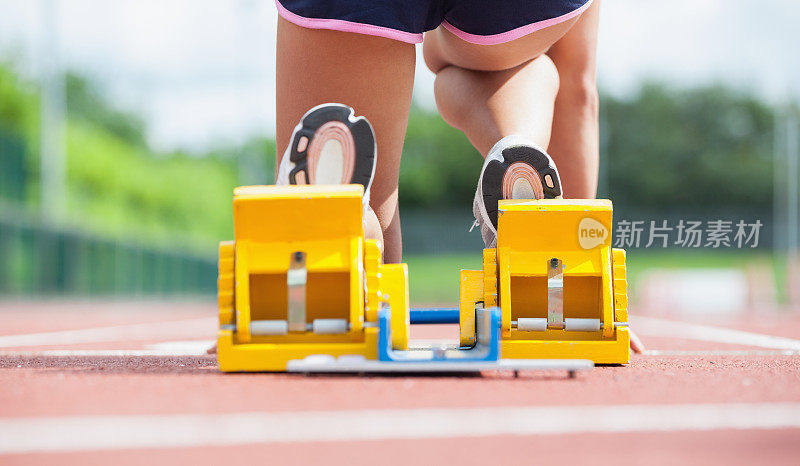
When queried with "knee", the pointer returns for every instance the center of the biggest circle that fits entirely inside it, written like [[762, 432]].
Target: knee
[[544, 71], [588, 98], [580, 91], [578, 83]]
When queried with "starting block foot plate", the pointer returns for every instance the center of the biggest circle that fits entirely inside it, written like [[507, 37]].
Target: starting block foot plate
[[322, 363]]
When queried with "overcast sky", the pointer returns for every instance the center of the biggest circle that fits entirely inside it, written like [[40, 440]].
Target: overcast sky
[[202, 71]]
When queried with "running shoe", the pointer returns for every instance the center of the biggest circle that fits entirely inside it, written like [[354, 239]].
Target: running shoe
[[330, 145], [515, 168]]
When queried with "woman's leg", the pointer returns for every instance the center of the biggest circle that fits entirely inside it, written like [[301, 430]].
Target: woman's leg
[[575, 144], [371, 74], [489, 105], [492, 91]]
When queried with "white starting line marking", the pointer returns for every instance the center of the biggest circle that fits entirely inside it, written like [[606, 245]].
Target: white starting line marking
[[167, 348], [721, 353], [165, 431], [186, 328], [109, 353], [187, 347], [670, 328]]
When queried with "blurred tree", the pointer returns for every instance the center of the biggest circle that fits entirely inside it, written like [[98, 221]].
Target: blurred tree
[[19, 103], [19, 135], [700, 149], [439, 167], [84, 102], [117, 186]]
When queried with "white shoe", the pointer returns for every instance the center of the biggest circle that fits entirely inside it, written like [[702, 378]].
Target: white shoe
[[330, 145], [515, 168]]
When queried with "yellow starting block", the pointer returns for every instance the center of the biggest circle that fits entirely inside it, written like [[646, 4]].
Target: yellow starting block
[[301, 289], [293, 283], [561, 288]]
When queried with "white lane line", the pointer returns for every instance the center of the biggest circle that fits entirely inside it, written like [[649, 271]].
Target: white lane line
[[183, 347], [721, 353], [669, 328], [187, 328], [108, 353], [167, 348], [164, 431]]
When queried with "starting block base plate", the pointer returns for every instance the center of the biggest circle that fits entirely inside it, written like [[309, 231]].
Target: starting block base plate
[[357, 364]]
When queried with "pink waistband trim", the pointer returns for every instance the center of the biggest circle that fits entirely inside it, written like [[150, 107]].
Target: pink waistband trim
[[513, 34], [347, 26]]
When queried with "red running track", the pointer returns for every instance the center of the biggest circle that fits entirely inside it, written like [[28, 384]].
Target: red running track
[[705, 392]]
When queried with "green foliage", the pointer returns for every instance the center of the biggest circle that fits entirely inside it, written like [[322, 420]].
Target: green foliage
[[433, 279], [707, 148], [19, 130], [121, 189], [439, 165], [19, 104], [116, 185], [86, 104]]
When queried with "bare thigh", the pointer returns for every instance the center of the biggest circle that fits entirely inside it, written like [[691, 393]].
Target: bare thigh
[[511, 86], [442, 48], [371, 74]]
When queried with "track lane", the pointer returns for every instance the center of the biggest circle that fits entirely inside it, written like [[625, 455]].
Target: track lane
[[676, 372]]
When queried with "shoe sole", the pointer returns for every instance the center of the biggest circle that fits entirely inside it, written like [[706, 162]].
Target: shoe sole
[[332, 146], [521, 166]]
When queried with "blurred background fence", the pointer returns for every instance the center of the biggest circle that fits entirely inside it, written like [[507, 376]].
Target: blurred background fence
[[41, 261], [12, 167], [38, 259]]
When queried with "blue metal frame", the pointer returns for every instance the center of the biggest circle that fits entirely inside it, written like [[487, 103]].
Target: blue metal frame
[[435, 315], [487, 346]]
